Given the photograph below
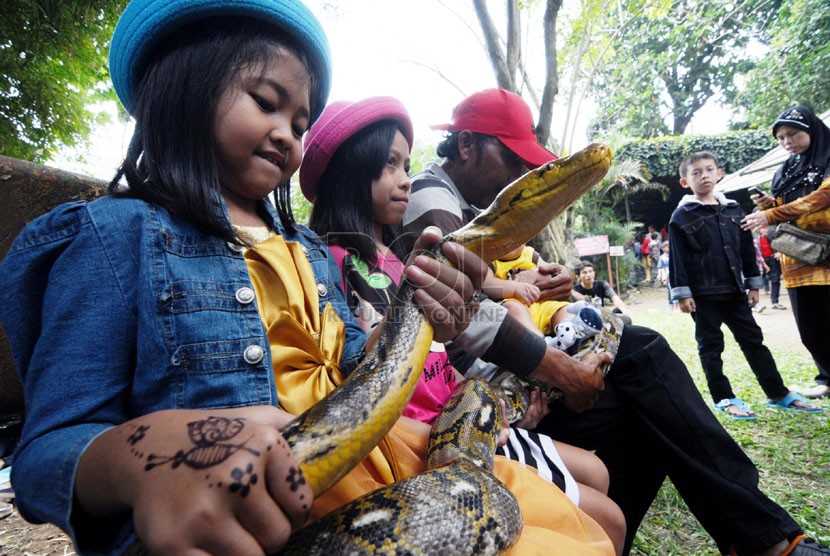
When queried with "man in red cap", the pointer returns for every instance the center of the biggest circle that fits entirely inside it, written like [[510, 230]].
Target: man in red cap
[[490, 143], [646, 419]]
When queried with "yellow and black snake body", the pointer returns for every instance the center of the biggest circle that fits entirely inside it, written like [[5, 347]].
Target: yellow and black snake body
[[515, 391], [457, 506]]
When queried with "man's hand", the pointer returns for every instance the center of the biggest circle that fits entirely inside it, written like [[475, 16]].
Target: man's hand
[[581, 381], [554, 280], [687, 305], [752, 298]]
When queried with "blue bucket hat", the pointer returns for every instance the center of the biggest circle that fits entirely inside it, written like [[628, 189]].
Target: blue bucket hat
[[144, 23]]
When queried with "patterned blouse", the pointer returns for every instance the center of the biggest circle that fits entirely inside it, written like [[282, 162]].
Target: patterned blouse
[[811, 212]]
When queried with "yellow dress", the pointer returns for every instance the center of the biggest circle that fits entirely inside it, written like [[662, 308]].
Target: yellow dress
[[541, 312], [306, 349]]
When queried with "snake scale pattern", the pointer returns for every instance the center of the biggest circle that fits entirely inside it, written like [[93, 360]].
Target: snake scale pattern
[[479, 514], [516, 391]]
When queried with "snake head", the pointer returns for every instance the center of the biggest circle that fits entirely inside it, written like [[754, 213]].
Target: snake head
[[523, 208]]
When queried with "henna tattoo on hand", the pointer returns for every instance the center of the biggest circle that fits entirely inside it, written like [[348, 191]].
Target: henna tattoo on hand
[[138, 434], [238, 474], [295, 478], [209, 449]]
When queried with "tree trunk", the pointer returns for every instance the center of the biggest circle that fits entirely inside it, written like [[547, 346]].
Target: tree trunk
[[551, 88], [504, 76], [28, 190], [554, 242]]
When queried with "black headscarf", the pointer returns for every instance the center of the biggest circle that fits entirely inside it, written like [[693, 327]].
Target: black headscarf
[[801, 174]]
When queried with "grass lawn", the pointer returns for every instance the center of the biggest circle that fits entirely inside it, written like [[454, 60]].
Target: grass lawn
[[791, 450]]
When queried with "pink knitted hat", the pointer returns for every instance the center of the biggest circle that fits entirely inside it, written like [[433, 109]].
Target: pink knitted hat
[[339, 121]]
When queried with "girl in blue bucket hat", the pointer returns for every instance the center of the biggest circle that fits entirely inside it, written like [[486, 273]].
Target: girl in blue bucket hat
[[139, 321]]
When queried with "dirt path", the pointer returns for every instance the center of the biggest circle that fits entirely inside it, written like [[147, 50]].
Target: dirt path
[[778, 325]]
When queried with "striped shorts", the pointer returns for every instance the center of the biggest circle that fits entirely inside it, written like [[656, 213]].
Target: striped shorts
[[537, 450]]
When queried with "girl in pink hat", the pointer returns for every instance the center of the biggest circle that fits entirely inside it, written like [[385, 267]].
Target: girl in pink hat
[[356, 172]]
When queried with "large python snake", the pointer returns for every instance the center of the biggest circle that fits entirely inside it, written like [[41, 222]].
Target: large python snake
[[479, 514]]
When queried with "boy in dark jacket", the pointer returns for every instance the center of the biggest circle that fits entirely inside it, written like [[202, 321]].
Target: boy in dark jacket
[[714, 277]]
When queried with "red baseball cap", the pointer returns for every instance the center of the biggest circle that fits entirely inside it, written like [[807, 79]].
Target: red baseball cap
[[504, 115]]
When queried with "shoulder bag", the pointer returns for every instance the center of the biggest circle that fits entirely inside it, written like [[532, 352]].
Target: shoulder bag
[[809, 247]]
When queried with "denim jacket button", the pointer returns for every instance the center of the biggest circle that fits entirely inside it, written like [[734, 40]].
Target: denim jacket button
[[304, 248], [235, 248], [322, 289], [253, 354], [245, 295]]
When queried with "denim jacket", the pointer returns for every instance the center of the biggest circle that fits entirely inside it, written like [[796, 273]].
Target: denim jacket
[[709, 252], [117, 308]]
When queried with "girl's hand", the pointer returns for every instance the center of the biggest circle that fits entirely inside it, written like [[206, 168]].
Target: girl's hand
[[448, 297], [537, 409], [504, 432], [199, 481], [754, 221]]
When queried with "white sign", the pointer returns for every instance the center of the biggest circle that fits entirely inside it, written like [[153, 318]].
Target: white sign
[[617, 251], [594, 245]]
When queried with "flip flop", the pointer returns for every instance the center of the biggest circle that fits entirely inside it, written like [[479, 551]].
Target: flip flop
[[725, 403], [786, 403]]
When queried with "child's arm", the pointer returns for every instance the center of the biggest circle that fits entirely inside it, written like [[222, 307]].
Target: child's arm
[[496, 288], [750, 256], [537, 409], [687, 305], [221, 481], [680, 290]]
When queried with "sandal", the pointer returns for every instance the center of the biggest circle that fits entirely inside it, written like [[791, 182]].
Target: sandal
[[737, 403], [805, 546], [788, 403]]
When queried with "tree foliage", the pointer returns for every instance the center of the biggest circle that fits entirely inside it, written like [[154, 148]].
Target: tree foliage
[[667, 58], [53, 64], [597, 215], [797, 68], [734, 150]]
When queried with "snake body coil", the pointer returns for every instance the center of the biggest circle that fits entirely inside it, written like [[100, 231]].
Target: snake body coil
[[334, 435]]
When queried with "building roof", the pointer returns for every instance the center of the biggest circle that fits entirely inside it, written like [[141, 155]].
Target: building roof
[[760, 171]]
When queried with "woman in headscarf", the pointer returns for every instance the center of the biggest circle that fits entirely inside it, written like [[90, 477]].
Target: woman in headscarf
[[801, 194]]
